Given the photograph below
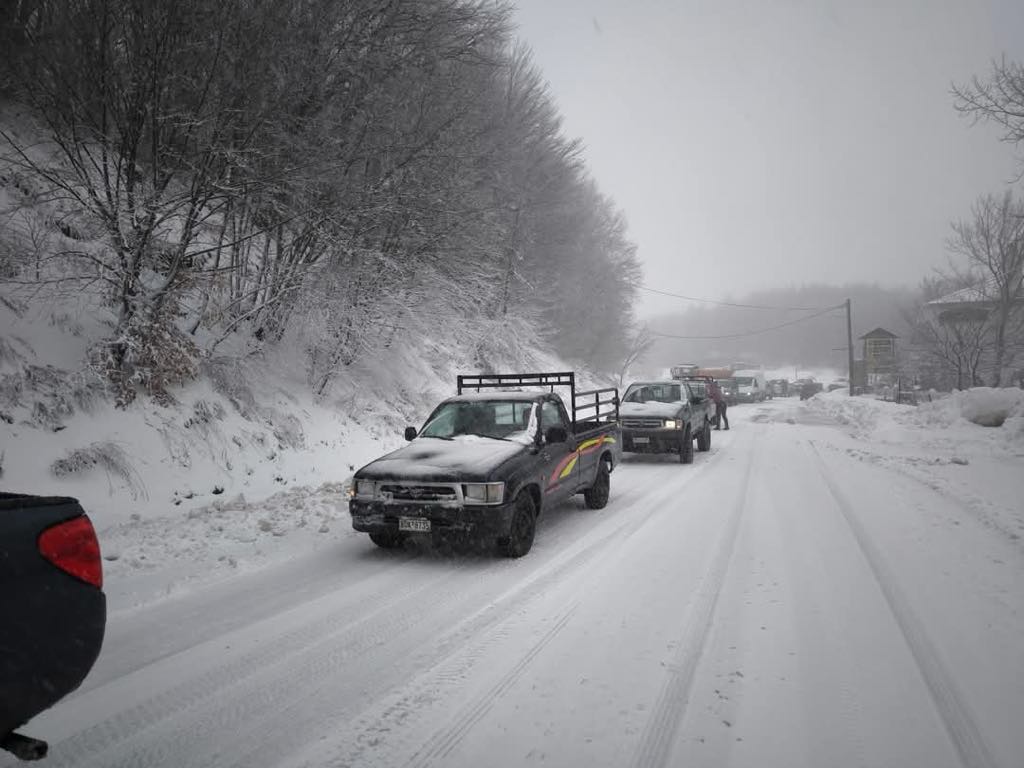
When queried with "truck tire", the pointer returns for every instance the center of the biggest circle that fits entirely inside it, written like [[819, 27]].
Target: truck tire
[[704, 439], [686, 449], [523, 527], [387, 540], [596, 496]]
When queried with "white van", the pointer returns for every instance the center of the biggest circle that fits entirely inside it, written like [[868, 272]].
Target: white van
[[751, 386]]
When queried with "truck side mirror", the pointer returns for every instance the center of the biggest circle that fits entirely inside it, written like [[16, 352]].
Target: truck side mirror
[[410, 433], [556, 435]]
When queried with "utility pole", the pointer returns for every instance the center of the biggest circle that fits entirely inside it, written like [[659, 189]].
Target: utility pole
[[849, 341]]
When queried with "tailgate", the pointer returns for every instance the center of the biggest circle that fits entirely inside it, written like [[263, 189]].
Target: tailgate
[[53, 623]]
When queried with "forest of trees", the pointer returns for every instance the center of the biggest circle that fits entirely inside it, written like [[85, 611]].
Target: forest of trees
[[329, 174]]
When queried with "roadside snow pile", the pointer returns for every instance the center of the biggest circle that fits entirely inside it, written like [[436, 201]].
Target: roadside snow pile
[[862, 415], [984, 406], [151, 558], [983, 418]]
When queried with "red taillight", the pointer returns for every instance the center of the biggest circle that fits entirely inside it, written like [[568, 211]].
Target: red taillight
[[72, 546]]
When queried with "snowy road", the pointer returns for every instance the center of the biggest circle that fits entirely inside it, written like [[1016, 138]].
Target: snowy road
[[778, 603]]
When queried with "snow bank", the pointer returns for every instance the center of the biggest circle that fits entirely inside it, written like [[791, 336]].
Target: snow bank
[[152, 558], [984, 406], [983, 418]]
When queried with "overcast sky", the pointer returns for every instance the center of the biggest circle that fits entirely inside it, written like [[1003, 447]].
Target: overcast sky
[[767, 143]]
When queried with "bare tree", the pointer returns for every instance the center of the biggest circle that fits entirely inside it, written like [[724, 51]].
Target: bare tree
[[638, 345], [953, 344], [991, 243], [997, 99]]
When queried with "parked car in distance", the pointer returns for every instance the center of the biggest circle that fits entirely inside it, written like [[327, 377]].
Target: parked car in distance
[[53, 608], [809, 387], [779, 387], [665, 417], [487, 463], [840, 383]]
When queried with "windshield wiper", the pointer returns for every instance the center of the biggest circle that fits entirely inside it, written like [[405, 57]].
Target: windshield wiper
[[437, 437]]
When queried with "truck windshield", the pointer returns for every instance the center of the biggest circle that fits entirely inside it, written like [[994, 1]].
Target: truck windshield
[[498, 419], [653, 393], [744, 381]]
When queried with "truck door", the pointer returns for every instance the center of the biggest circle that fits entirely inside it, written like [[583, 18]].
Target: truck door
[[558, 460]]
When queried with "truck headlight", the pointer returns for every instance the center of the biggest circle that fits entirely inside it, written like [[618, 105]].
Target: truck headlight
[[483, 493], [367, 489], [671, 424]]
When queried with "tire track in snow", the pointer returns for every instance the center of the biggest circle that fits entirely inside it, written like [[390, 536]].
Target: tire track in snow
[[151, 732], [954, 712], [138, 720], [455, 656], [443, 743], [667, 715]]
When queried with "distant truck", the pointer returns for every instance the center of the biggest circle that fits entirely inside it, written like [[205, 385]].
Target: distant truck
[[778, 387], [665, 417], [751, 386], [487, 463], [718, 374], [53, 608], [684, 370]]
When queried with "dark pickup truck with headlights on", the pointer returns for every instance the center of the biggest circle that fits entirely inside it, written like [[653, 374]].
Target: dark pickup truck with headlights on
[[665, 417], [52, 606], [488, 462]]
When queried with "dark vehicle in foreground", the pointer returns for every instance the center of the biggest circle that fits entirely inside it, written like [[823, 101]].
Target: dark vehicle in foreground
[[53, 608], [487, 463], [665, 417]]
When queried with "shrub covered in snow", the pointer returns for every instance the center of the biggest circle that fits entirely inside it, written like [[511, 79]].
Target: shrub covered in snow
[[105, 455]]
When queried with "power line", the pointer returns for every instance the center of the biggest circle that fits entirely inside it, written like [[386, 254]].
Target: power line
[[726, 303], [753, 332]]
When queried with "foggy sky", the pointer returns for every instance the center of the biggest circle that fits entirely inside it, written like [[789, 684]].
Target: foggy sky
[[766, 143]]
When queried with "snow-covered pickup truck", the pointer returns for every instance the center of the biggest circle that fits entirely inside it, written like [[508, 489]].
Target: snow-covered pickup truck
[[665, 417], [53, 611], [487, 463]]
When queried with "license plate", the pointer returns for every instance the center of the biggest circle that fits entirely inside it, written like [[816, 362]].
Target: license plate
[[641, 440], [417, 524]]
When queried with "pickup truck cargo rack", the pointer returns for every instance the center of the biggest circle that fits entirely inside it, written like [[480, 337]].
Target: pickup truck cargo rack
[[596, 406]]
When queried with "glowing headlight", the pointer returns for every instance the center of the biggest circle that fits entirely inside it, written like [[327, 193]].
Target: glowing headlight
[[670, 424], [366, 488], [483, 493]]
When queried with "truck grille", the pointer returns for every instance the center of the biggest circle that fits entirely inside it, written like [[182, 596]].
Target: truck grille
[[419, 493], [643, 423]]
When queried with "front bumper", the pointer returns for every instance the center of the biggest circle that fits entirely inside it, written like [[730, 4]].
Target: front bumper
[[652, 440], [491, 521]]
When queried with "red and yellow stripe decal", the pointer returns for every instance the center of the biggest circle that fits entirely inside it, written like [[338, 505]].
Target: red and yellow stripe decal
[[566, 465]]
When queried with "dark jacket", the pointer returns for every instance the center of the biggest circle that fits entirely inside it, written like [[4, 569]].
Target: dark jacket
[[715, 393]]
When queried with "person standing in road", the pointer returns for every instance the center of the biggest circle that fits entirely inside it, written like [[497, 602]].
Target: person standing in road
[[721, 407]]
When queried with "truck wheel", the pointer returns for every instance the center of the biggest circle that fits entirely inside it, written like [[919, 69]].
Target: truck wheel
[[596, 496], [704, 439], [686, 449], [523, 528], [387, 540]]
